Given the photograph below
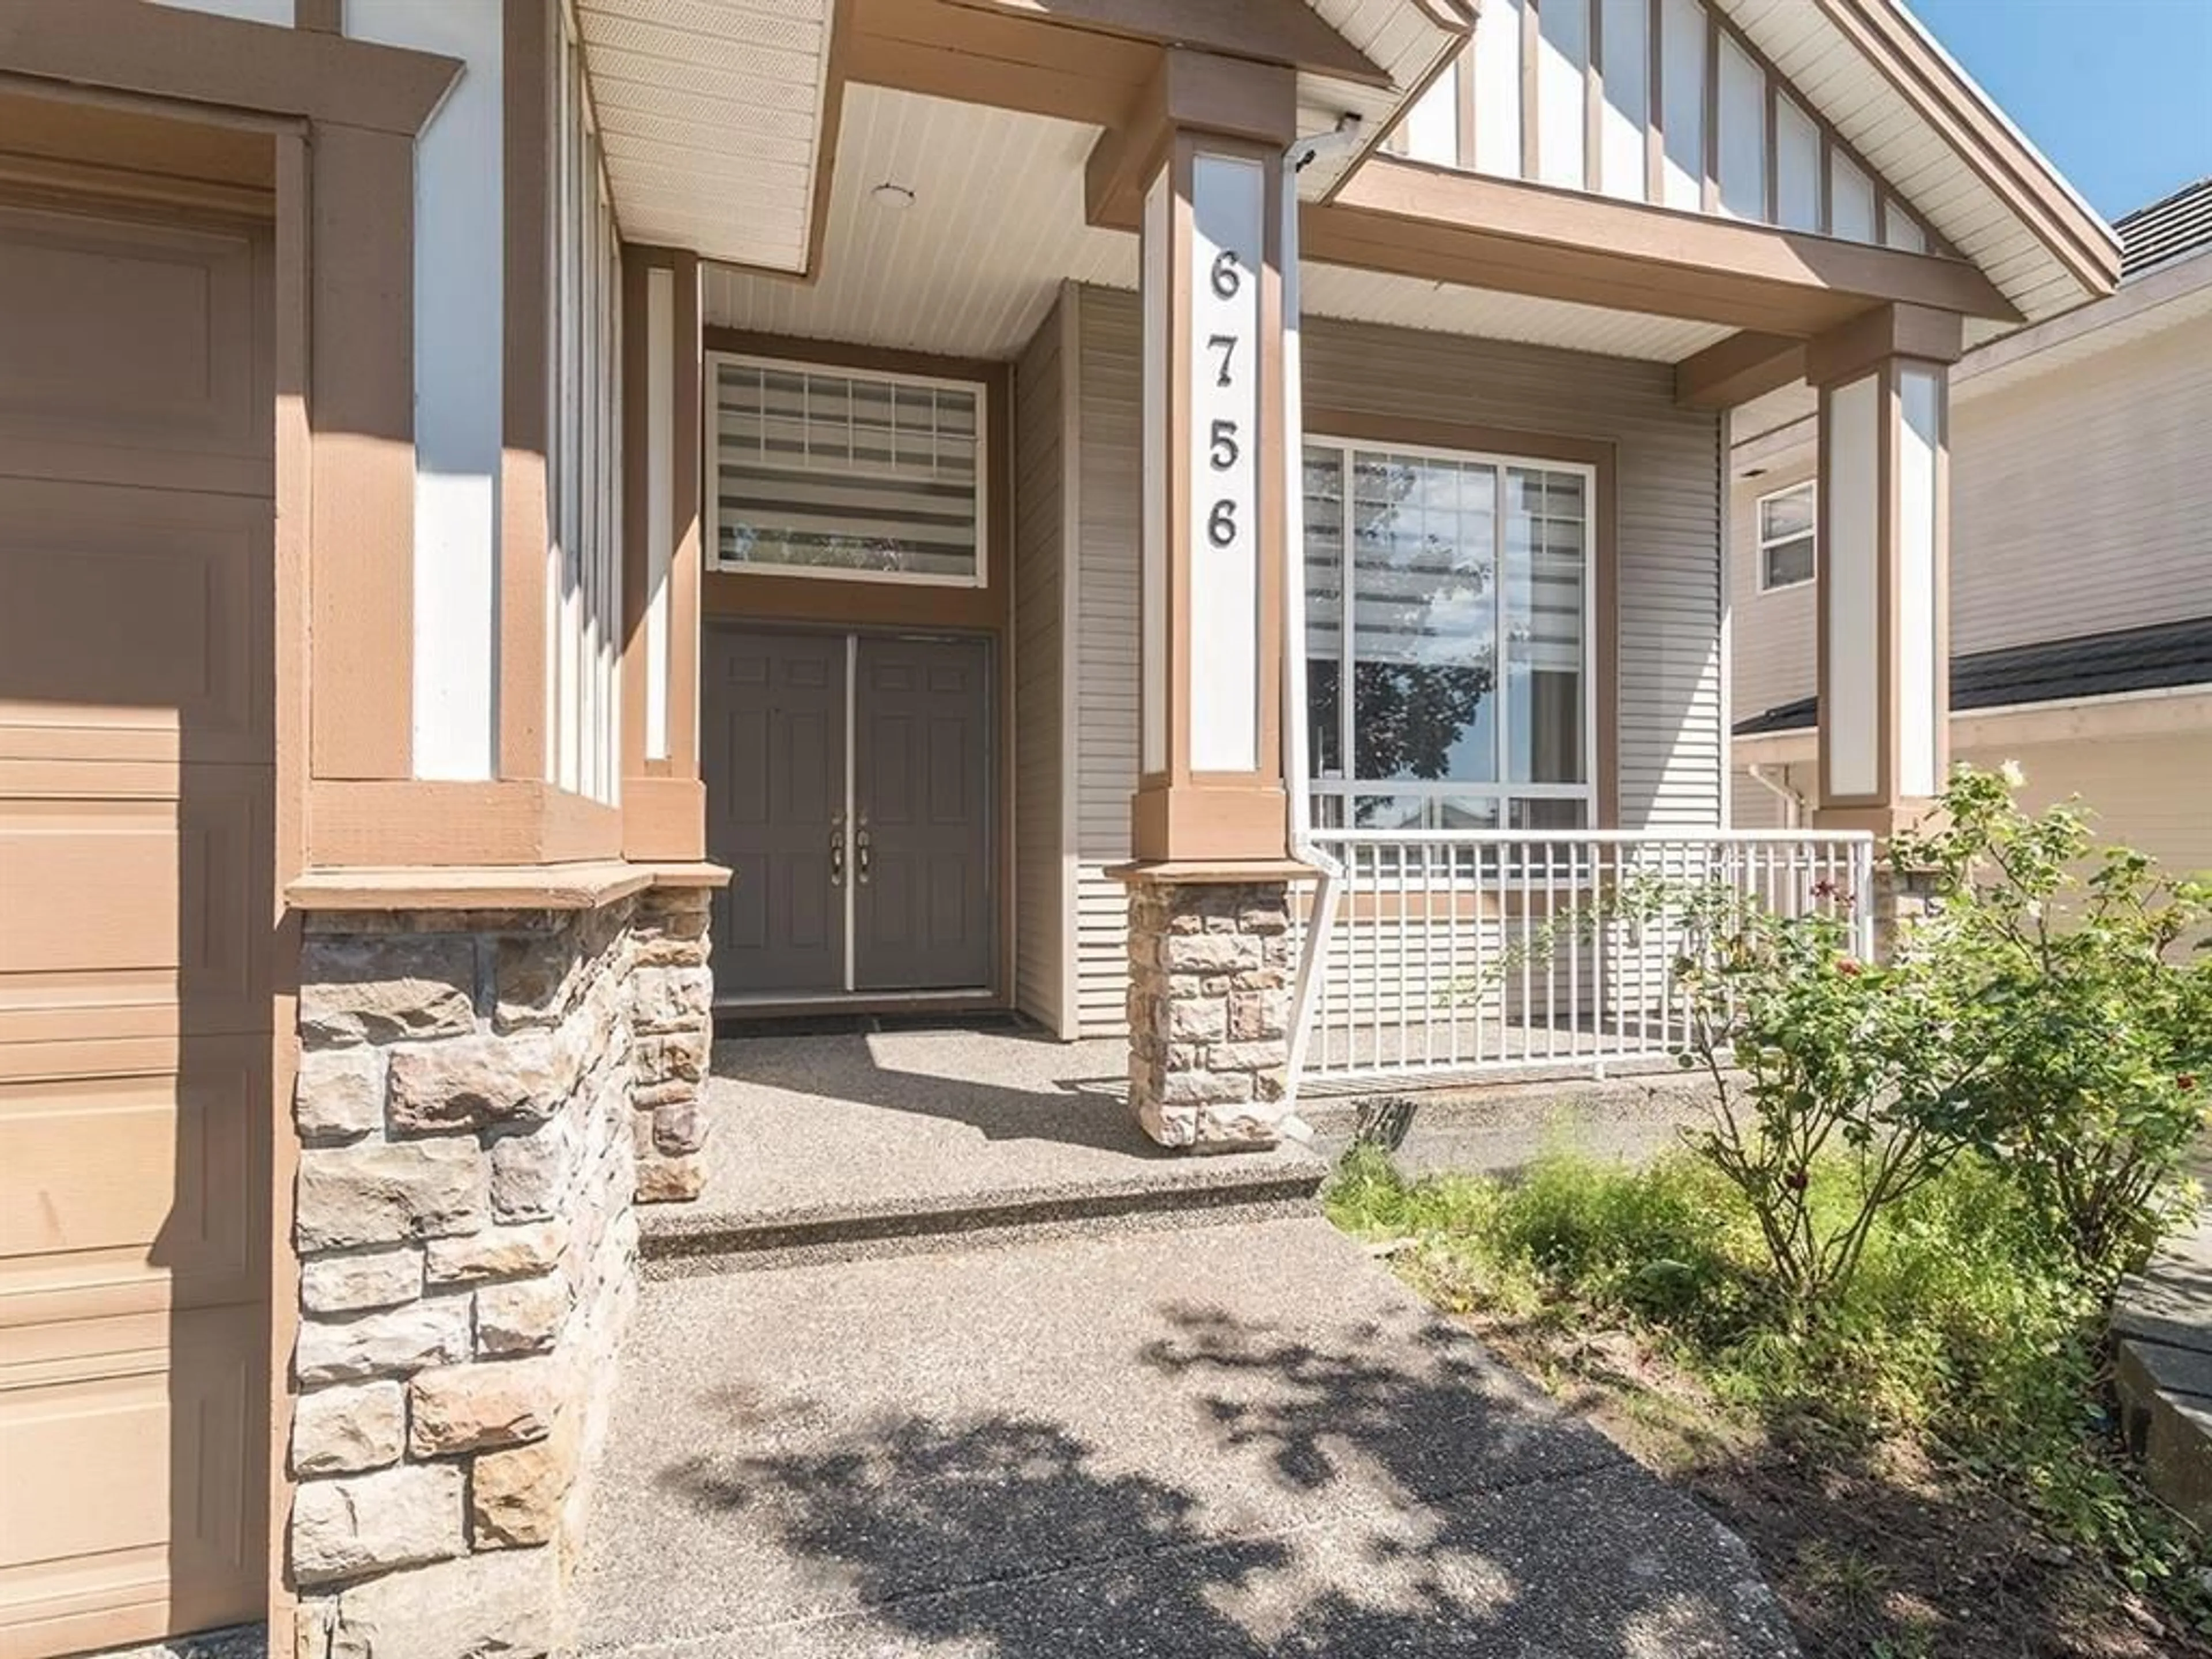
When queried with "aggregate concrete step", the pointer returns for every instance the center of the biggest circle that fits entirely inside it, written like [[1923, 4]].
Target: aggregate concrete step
[[677, 1241]]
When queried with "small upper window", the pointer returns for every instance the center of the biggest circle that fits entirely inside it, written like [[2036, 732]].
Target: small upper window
[[827, 472], [1786, 538]]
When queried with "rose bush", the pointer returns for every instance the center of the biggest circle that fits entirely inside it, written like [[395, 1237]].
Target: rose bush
[[2047, 1013]]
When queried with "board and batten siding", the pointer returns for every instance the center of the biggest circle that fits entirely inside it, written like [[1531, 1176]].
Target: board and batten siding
[[1043, 899], [1666, 510], [2079, 502]]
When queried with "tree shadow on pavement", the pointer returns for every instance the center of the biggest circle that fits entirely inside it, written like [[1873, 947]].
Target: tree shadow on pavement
[[1367, 1499]]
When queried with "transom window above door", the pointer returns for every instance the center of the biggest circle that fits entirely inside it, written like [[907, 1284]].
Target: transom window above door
[[1450, 593], [837, 472]]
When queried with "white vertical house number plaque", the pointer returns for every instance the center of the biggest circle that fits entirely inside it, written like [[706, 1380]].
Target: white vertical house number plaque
[[1227, 250]]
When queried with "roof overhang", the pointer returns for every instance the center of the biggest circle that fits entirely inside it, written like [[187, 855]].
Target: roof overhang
[[719, 118], [1873, 71]]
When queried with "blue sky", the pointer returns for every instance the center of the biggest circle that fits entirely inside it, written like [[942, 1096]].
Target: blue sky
[[2117, 93]]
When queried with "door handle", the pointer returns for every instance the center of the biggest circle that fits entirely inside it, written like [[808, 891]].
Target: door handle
[[861, 844], [837, 856]]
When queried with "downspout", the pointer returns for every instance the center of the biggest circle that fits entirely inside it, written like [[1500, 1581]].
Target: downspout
[[1296, 762], [1793, 801]]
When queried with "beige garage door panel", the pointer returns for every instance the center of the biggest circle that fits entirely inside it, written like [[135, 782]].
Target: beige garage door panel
[[168, 386], [156, 1219], [135, 911], [121, 902], [140, 1441], [133, 612]]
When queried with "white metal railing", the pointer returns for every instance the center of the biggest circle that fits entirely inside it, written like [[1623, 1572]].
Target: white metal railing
[[1429, 954]]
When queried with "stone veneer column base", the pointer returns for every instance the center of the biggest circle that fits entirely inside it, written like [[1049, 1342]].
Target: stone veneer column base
[[1210, 972], [483, 1098]]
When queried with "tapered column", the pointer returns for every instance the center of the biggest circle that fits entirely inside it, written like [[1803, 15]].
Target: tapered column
[[1213, 556], [1883, 646]]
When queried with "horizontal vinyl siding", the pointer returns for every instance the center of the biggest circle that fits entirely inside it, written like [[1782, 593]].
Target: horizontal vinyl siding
[[1667, 510], [1109, 492], [1667, 515], [1752, 805], [2080, 503], [1771, 633], [1039, 891], [2081, 500]]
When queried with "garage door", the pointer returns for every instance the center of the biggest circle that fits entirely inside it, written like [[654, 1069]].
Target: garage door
[[135, 845]]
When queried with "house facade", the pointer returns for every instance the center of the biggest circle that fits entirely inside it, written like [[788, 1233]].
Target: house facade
[[2081, 570], [529, 521]]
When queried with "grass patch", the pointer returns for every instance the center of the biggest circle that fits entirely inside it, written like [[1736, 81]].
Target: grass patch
[[1956, 1393]]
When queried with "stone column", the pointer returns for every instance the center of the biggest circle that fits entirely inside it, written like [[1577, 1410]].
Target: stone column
[[1883, 645], [671, 1013], [481, 1099], [1210, 972]]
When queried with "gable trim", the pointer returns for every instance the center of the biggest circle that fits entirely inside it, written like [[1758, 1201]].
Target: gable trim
[[1941, 93]]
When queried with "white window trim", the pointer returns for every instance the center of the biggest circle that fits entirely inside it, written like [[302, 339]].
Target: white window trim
[[1346, 788], [1812, 489], [711, 482]]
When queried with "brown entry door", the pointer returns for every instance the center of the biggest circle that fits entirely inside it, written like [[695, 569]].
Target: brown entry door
[[774, 725], [136, 909], [922, 844]]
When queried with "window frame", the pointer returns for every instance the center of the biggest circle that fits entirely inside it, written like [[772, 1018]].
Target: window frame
[[1764, 543], [1349, 788], [711, 477]]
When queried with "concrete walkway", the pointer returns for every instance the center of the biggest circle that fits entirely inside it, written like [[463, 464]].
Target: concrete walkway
[[1222, 1441], [2164, 1323]]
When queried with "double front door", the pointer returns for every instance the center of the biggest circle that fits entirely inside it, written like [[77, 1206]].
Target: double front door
[[849, 789]]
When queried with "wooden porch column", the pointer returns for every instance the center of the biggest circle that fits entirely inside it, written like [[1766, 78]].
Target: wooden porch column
[[1209, 907], [1206, 145], [1884, 631], [663, 802]]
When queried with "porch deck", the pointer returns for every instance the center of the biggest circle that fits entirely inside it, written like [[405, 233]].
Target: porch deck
[[890, 1137]]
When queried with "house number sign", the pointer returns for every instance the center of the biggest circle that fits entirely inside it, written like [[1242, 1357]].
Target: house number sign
[[1227, 249]]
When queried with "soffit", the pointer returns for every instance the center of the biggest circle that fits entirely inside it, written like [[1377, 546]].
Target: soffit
[[1928, 169], [710, 116], [997, 224], [1410, 40]]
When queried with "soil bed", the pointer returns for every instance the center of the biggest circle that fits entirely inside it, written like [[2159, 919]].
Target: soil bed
[[1876, 1551]]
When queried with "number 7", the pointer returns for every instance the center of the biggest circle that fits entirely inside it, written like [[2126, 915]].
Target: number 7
[[1226, 345]]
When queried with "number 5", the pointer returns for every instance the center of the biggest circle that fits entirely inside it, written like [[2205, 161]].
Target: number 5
[[1223, 447]]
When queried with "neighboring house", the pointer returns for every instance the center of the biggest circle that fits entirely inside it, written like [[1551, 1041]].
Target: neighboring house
[[2080, 560], [473, 475]]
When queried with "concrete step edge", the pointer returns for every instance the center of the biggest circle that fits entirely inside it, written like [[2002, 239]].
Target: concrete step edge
[[864, 1228], [1040, 1229]]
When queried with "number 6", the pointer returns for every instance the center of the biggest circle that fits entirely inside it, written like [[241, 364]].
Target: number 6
[[1226, 278], [1221, 523]]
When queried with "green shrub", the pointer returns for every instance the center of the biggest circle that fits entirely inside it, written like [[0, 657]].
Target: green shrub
[[2077, 957], [2045, 1013]]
